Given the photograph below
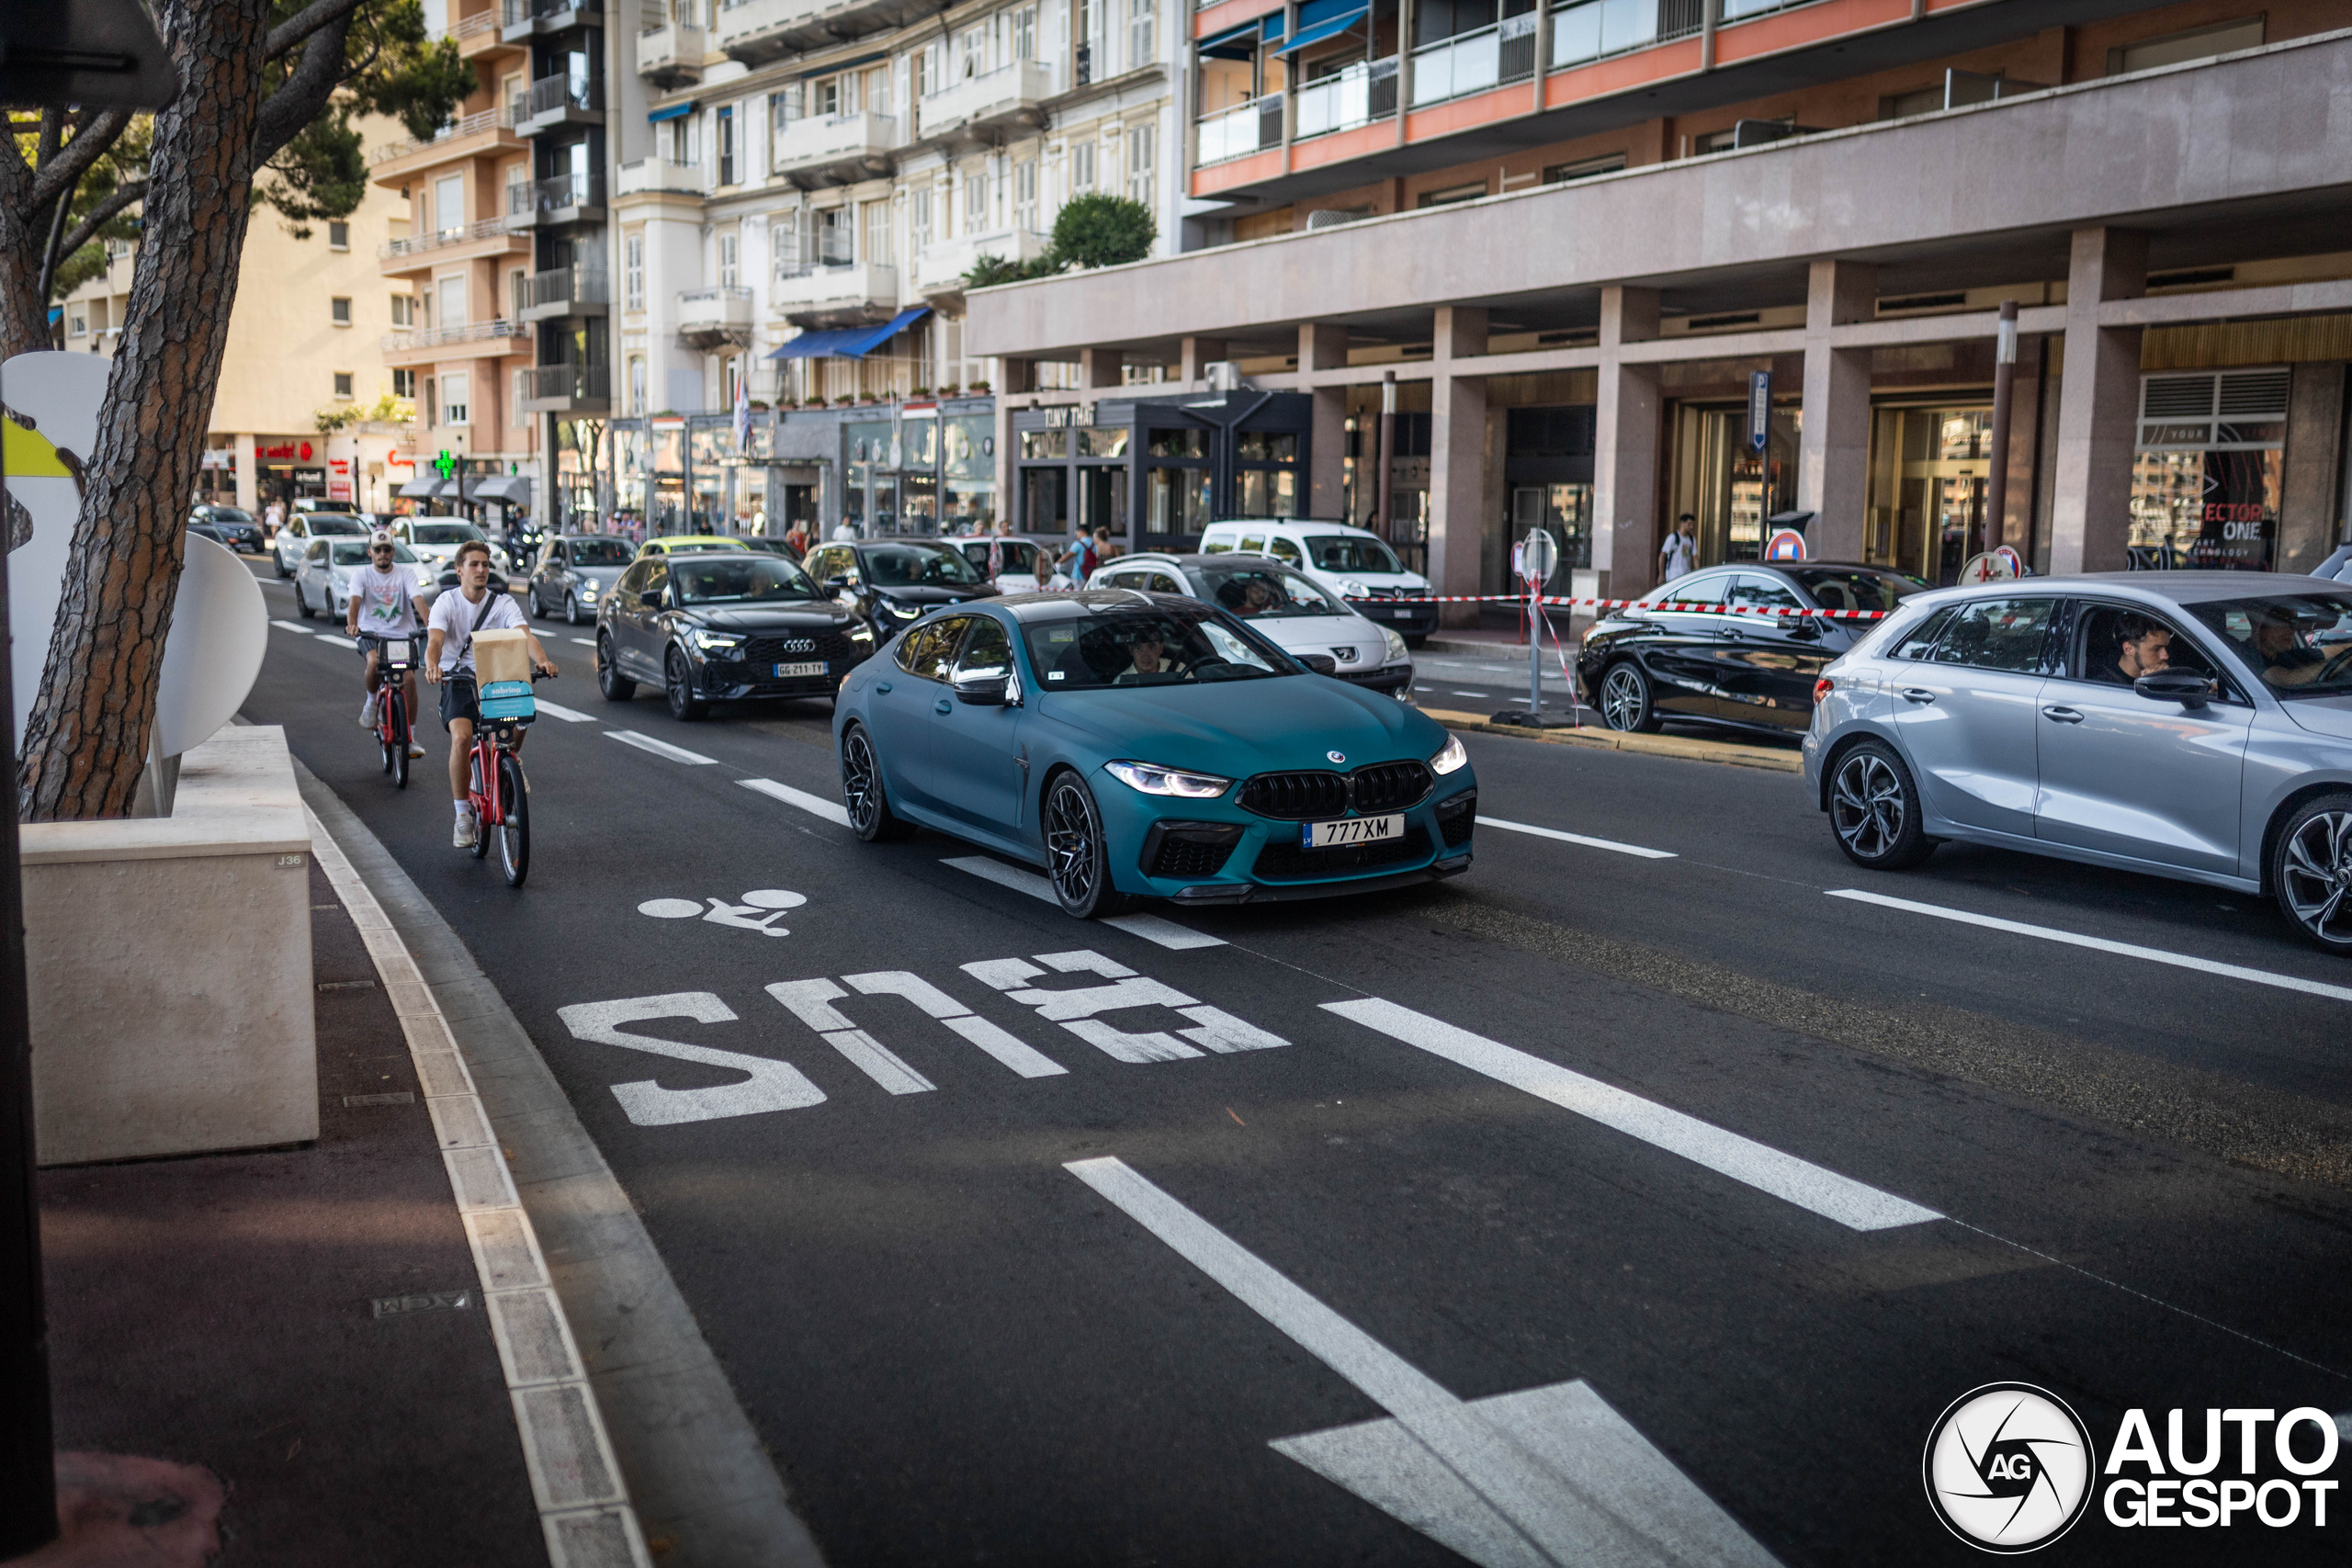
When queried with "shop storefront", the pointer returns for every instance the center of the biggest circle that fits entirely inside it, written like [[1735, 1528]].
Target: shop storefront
[[1725, 482], [931, 470], [2209, 469], [1547, 472], [1929, 464], [583, 474], [1157, 471]]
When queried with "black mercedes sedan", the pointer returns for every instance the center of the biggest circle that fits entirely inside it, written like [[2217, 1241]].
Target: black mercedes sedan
[[721, 627], [1711, 648], [890, 583]]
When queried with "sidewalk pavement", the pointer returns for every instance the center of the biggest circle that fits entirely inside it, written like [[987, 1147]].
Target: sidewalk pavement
[[308, 1323]]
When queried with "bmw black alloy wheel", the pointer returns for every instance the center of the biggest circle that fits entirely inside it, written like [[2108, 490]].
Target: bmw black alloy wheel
[[870, 816], [1077, 857]]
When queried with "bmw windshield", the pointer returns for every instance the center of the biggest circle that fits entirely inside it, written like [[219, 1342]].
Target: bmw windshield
[[2299, 645], [1156, 646], [738, 579]]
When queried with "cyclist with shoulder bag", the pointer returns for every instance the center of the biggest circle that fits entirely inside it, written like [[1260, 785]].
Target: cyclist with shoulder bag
[[450, 664]]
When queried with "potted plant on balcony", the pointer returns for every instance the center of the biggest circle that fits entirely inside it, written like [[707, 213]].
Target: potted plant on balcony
[[976, 390], [949, 391]]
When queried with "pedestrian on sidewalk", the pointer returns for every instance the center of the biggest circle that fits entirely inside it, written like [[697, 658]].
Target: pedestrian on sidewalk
[[1679, 557]]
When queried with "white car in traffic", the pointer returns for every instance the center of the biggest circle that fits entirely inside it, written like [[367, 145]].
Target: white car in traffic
[[323, 582], [300, 529], [1354, 563], [436, 540], [1296, 614]]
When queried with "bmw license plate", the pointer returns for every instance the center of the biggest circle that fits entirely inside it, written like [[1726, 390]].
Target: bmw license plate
[[786, 671], [1350, 831]]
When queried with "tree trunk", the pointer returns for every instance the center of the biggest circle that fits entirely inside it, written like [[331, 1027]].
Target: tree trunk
[[24, 314], [86, 742]]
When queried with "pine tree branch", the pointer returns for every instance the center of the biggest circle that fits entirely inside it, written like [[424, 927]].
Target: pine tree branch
[[305, 22], [307, 88], [82, 233], [62, 167]]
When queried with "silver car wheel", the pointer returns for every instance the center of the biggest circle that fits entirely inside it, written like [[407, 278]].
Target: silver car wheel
[[1866, 804], [1621, 699], [2316, 877]]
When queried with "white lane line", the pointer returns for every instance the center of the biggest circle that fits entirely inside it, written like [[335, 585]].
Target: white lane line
[[585, 641], [1589, 843], [338, 641], [660, 748], [1609, 1503], [1151, 928], [815, 805], [1808, 1185], [2100, 945], [292, 627], [557, 710]]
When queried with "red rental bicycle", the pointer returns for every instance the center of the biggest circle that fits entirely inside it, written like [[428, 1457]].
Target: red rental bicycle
[[395, 657], [497, 790]]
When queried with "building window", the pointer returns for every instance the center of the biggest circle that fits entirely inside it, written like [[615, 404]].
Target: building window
[[1081, 168], [1143, 41], [919, 218], [338, 236], [454, 389], [783, 110], [1448, 196], [878, 90], [518, 415], [877, 233], [784, 244], [726, 145], [432, 402], [976, 203], [636, 383], [1143, 147], [404, 384], [1024, 33], [633, 272], [1560, 173], [728, 252], [449, 205], [686, 143], [77, 325], [825, 97], [339, 309], [403, 310], [927, 71], [2173, 48], [518, 293], [342, 385], [1024, 195]]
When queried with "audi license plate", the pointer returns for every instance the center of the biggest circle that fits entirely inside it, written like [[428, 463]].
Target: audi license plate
[[786, 671], [1350, 831]]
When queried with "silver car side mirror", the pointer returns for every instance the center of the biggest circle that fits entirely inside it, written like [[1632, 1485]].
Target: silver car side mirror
[[2186, 687]]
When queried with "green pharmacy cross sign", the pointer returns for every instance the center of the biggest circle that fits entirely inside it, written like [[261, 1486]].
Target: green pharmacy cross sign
[[447, 463]]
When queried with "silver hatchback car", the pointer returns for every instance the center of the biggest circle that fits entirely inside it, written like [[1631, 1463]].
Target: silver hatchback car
[[2190, 724]]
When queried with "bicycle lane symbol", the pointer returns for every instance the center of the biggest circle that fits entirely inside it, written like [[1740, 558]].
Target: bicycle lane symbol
[[759, 912]]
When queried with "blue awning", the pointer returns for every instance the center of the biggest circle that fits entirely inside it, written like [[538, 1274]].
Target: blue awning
[[672, 112], [56, 314], [1330, 27], [849, 343], [1239, 42]]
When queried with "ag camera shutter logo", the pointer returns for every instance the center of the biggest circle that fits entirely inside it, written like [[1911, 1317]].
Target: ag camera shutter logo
[[2008, 1468]]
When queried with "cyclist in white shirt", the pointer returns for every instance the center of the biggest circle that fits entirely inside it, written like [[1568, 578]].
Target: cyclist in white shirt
[[383, 602], [450, 664]]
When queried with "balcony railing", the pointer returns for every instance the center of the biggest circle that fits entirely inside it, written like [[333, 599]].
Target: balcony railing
[[659, 174], [562, 91], [464, 27], [1474, 61], [818, 140], [670, 53], [471, 125], [515, 13], [1599, 28], [1357, 96], [487, 229], [568, 286], [579, 383], [715, 301], [464, 332], [1238, 132], [526, 198], [1004, 92]]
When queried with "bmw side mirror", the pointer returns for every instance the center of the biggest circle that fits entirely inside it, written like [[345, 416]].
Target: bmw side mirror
[[1322, 663], [2186, 687], [982, 691], [651, 598]]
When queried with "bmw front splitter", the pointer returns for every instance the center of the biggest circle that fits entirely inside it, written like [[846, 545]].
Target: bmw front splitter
[[1274, 892]]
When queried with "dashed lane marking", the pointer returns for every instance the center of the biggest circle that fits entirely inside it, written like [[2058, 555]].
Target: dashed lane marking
[[1548, 1477], [338, 641], [557, 710], [1590, 843], [661, 748], [815, 805], [1151, 928], [2101, 944], [1768, 1169], [293, 627], [585, 641]]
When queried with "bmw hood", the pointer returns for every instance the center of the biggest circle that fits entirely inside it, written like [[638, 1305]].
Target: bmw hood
[[2331, 717], [1238, 728], [753, 618]]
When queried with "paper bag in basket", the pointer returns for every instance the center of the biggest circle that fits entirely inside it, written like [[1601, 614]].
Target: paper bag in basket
[[502, 656]]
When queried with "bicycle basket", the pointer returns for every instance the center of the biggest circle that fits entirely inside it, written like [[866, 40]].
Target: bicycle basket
[[508, 699]]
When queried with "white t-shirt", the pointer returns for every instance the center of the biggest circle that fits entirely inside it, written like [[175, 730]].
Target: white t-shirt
[[453, 617], [1681, 554], [387, 601]]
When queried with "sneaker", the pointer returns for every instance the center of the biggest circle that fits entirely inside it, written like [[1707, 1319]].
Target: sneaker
[[367, 710], [463, 837], [414, 750]]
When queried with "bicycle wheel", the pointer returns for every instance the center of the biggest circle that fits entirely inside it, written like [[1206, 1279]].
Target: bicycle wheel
[[514, 833], [399, 706], [484, 793]]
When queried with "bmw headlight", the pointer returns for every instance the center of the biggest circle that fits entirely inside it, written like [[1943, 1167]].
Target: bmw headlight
[[1153, 780], [1398, 652], [1451, 760], [712, 642]]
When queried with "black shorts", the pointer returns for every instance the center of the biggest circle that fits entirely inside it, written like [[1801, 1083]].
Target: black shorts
[[460, 700]]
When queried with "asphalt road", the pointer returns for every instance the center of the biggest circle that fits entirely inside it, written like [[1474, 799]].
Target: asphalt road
[[1640, 1116]]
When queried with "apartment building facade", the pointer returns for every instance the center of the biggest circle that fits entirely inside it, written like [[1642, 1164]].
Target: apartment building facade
[[1627, 259]]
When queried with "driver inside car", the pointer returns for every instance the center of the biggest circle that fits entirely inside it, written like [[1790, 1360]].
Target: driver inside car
[[1148, 657], [2285, 660]]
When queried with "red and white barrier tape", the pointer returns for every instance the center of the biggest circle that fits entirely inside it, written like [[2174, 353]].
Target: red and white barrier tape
[[1624, 604]]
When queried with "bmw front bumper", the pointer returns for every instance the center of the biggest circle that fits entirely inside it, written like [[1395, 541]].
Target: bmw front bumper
[[1212, 851]]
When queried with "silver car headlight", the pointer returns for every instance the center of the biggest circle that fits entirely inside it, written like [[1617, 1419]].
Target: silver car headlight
[[586, 591], [1151, 779], [1398, 652], [1454, 758]]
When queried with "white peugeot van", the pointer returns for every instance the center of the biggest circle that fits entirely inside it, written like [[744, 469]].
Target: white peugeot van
[[1352, 563]]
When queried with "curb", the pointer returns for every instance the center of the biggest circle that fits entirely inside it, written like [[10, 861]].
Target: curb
[[1600, 739], [584, 1504]]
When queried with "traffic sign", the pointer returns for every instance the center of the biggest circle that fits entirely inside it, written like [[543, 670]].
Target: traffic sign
[[1759, 409], [1786, 545], [1990, 566], [2016, 562], [1539, 556]]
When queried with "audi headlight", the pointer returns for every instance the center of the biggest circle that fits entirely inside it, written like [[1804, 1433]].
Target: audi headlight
[[1452, 758], [903, 611], [711, 642], [1152, 779], [1398, 652], [860, 632]]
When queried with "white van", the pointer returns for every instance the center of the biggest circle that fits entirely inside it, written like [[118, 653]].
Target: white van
[[1352, 563]]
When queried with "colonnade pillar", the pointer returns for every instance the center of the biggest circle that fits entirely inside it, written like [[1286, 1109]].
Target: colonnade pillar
[[2098, 405], [1325, 347], [1625, 447], [1457, 462], [1834, 436]]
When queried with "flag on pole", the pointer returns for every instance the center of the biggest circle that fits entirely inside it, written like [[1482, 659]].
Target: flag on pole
[[743, 412]]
